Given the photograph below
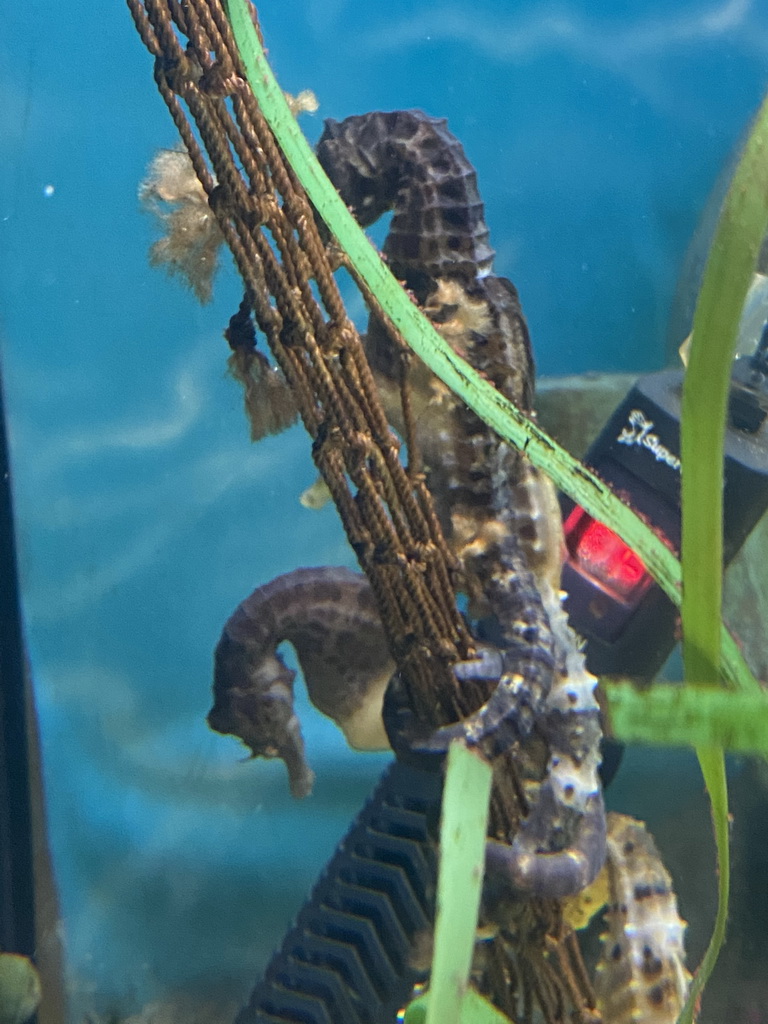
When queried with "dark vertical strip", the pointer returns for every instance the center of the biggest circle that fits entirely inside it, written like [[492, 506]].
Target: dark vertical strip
[[17, 917]]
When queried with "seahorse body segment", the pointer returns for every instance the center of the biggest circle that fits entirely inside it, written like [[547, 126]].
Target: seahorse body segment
[[560, 846], [641, 975], [409, 162], [438, 246]]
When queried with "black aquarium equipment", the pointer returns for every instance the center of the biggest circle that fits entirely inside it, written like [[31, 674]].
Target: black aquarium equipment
[[628, 622]]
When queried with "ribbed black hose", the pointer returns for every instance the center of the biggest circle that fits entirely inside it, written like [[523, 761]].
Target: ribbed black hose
[[349, 957]]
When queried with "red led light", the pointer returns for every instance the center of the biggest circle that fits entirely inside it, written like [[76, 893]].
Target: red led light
[[601, 554]]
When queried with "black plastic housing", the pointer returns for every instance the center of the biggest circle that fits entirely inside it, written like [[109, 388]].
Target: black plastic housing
[[637, 453]]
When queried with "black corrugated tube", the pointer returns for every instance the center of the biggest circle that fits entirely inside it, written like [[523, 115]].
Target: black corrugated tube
[[350, 957]]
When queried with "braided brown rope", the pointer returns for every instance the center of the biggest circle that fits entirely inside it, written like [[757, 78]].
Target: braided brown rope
[[387, 510]]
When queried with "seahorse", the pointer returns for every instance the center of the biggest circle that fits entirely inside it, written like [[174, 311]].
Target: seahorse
[[329, 615], [499, 514], [641, 975]]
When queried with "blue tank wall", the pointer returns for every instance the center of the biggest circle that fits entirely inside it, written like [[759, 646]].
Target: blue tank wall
[[145, 515]]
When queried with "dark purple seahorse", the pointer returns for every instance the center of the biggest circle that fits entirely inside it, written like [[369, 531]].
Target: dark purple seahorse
[[410, 163]]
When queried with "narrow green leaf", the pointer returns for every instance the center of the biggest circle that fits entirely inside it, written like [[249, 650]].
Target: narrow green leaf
[[727, 276], [730, 265], [475, 1009], [675, 715], [712, 764], [463, 830]]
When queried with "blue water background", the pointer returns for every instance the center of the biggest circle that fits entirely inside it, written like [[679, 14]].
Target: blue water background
[[145, 515]]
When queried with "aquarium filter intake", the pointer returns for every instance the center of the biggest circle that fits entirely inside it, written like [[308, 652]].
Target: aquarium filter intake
[[351, 956], [628, 622]]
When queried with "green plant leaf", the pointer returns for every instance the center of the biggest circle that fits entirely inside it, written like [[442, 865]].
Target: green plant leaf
[[463, 829], [475, 1009], [730, 265], [677, 715]]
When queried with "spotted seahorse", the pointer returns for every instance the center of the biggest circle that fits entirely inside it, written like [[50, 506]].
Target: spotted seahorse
[[641, 974]]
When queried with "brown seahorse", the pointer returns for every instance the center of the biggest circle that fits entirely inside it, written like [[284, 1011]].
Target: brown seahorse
[[330, 617], [498, 513]]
